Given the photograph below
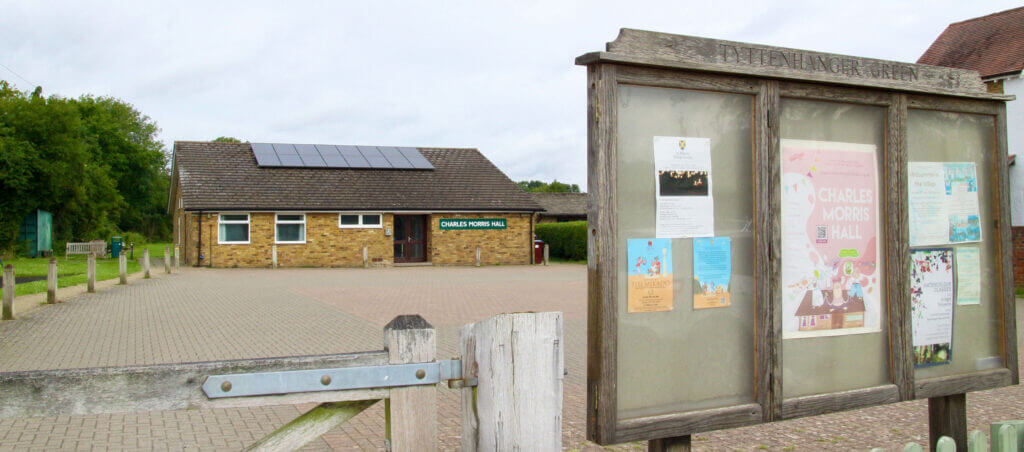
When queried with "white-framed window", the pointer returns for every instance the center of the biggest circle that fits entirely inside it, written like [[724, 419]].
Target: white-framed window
[[360, 220], [290, 228], [233, 229]]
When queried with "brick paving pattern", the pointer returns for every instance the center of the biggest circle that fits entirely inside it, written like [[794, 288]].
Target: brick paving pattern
[[212, 314]]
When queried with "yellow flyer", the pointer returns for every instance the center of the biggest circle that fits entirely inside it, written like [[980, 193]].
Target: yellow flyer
[[650, 275]]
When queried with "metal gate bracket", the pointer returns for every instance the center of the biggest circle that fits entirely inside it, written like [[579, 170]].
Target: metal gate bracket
[[292, 381]]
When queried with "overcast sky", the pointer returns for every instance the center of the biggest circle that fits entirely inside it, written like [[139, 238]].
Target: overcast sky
[[443, 74]]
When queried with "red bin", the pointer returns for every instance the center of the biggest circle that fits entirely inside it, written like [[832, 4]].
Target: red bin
[[538, 251]]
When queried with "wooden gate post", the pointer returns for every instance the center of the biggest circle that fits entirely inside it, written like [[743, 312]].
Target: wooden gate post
[[145, 263], [51, 281], [167, 260], [90, 271], [947, 416], [411, 412], [8, 280], [518, 363], [122, 266]]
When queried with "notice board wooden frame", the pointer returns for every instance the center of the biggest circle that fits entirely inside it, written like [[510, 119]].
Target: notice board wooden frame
[[769, 74]]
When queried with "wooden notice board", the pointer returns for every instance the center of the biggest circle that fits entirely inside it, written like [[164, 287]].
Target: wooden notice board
[[787, 201]]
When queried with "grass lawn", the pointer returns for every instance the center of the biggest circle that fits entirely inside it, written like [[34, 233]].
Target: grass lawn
[[155, 249], [69, 272]]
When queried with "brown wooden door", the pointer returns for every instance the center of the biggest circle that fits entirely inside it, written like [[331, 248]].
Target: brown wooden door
[[410, 238]]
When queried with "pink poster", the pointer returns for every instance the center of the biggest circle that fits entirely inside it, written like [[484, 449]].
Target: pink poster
[[830, 249]]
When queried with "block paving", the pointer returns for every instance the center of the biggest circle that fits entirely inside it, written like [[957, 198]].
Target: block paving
[[213, 314]]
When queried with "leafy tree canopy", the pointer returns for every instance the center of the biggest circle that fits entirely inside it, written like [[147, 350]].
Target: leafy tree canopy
[[226, 140], [94, 162], [555, 186]]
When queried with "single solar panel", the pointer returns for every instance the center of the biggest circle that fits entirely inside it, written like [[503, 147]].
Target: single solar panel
[[309, 155], [354, 158], [332, 156], [374, 156], [265, 155], [395, 157], [416, 158]]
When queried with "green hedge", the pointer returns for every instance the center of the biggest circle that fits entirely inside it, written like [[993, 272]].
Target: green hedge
[[565, 240]]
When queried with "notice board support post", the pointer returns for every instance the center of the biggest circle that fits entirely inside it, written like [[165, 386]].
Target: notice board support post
[[674, 444], [947, 416]]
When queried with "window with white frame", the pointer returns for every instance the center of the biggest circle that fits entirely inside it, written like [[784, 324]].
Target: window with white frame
[[290, 228], [233, 228], [359, 220]]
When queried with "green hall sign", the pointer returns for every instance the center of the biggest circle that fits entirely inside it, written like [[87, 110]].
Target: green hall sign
[[473, 223]]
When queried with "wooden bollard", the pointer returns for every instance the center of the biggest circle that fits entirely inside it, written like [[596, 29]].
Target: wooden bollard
[[273, 256], [366, 255], [177, 257], [167, 259], [545, 254], [51, 281], [478, 256], [145, 263], [122, 266], [91, 273], [8, 309]]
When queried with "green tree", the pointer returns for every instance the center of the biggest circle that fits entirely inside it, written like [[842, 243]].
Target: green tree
[[555, 186], [226, 140], [93, 162]]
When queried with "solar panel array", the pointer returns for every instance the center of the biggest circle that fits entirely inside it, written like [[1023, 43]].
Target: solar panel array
[[332, 156]]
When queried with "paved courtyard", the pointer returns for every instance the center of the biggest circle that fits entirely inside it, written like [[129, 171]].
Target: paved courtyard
[[212, 314]]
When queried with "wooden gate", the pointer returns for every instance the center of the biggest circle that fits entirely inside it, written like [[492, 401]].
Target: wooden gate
[[510, 374]]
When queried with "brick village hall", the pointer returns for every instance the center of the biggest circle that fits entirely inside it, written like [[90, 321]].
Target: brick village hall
[[237, 204]]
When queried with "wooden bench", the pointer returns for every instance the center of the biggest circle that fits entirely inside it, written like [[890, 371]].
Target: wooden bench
[[85, 248]]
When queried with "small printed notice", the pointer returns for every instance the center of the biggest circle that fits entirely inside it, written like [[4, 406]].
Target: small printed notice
[[650, 275], [830, 249], [931, 305], [682, 181], [712, 269], [943, 203], [968, 276]]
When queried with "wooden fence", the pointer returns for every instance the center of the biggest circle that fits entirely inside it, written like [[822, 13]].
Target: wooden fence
[[512, 370]]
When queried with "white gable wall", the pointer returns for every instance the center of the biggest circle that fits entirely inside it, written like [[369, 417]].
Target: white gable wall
[[1015, 145]]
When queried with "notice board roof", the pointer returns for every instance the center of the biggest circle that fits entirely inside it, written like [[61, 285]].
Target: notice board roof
[[653, 49]]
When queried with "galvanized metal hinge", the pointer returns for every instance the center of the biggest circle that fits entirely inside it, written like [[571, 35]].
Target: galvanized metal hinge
[[312, 380]]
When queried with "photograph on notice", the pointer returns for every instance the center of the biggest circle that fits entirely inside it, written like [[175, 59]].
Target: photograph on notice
[[683, 183]]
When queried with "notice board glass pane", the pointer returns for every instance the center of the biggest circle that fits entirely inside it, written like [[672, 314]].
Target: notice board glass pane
[[817, 363], [934, 136], [686, 359]]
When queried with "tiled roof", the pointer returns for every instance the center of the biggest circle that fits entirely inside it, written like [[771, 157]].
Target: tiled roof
[[561, 204], [224, 176], [991, 45]]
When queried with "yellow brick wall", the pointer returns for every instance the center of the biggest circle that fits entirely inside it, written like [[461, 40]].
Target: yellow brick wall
[[328, 245], [512, 245]]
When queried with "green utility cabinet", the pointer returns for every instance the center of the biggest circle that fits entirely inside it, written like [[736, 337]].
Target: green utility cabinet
[[116, 245], [37, 231]]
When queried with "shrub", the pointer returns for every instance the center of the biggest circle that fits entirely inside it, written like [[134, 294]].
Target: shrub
[[134, 237], [565, 240]]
